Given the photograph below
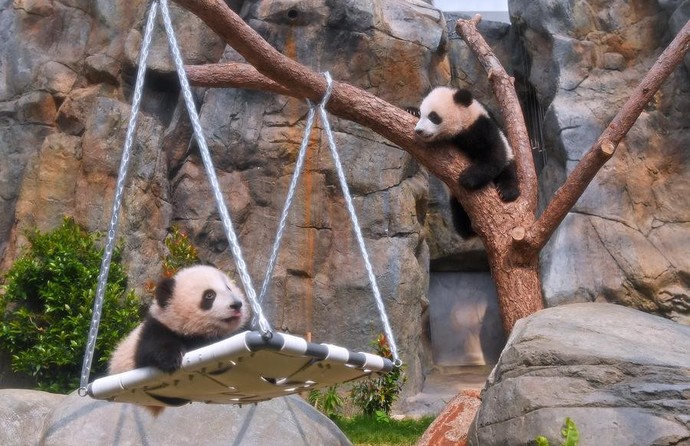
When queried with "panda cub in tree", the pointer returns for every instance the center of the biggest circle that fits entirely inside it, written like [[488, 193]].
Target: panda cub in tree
[[200, 305], [453, 116]]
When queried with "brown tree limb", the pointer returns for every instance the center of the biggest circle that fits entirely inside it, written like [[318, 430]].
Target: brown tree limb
[[273, 69], [504, 91], [567, 195], [234, 74]]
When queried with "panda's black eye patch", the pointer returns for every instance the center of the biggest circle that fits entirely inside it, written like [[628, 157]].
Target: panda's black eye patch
[[435, 118], [207, 299]]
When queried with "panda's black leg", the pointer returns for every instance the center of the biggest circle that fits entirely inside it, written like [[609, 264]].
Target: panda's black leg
[[477, 175], [169, 359], [158, 347], [507, 183], [461, 221]]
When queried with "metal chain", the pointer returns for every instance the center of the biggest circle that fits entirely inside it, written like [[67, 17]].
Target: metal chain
[[288, 201], [355, 222], [264, 326], [117, 203]]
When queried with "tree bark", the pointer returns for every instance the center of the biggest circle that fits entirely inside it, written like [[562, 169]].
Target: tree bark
[[511, 234]]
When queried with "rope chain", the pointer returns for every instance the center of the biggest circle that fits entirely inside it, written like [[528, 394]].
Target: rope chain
[[117, 203], [288, 201], [264, 326], [355, 221]]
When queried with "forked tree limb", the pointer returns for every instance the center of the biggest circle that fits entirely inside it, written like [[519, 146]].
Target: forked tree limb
[[536, 236], [510, 234]]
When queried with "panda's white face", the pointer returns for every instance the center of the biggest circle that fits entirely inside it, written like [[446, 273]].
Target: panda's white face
[[442, 115], [201, 301]]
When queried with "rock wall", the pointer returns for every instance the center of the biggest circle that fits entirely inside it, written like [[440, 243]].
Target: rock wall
[[626, 239], [67, 76]]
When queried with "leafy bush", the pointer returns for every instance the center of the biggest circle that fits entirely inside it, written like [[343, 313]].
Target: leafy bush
[[327, 402], [47, 305], [375, 396], [569, 433], [181, 253]]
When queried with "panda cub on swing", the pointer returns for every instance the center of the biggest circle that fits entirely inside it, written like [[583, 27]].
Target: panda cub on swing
[[198, 306], [453, 116]]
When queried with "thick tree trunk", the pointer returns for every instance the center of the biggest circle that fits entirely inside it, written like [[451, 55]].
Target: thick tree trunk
[[512, 285]]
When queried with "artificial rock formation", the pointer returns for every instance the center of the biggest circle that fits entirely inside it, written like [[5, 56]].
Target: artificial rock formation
[[64, 102], [588, 362], [32, 417], [625, 240]]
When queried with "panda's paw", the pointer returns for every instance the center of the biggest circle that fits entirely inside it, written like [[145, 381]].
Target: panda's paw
[[508, 194], [472, 179], [169, 361]]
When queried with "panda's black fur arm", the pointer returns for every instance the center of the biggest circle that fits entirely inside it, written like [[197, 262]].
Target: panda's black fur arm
[[482, 144], [161, 347]]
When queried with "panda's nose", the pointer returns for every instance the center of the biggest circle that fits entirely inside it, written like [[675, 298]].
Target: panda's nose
[[236, 305]]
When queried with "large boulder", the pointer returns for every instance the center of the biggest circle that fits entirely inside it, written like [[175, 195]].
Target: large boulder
[[288, 421], [623, 377], [22, 413]]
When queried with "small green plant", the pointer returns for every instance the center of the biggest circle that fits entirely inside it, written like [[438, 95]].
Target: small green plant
[[569, 433], [181, 252], [375, 396], [46, 307], [327, 402]]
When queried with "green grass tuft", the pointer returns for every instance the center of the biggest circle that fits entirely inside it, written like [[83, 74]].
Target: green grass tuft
[[367, 431]]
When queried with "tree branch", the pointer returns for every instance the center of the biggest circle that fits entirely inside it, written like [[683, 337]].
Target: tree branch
[[274, 71], [237, 75], [492, 219], [602, 150], [504, 91]]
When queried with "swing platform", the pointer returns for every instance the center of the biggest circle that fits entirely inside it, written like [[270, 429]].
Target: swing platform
[[242, 369]]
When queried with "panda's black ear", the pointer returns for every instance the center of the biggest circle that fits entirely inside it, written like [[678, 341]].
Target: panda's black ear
[[463, 97], [164, 291]]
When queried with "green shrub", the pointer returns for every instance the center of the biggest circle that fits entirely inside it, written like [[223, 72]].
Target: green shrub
[[327, 402], [375, 396], [47, 305], [181, 252]]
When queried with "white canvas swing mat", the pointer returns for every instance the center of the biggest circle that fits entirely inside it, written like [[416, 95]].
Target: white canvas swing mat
[[241, 369], [251, 366]]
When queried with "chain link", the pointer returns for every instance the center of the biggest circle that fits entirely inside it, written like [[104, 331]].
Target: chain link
[[246, 280], [117, 203], [288, 201], [355, 221]]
